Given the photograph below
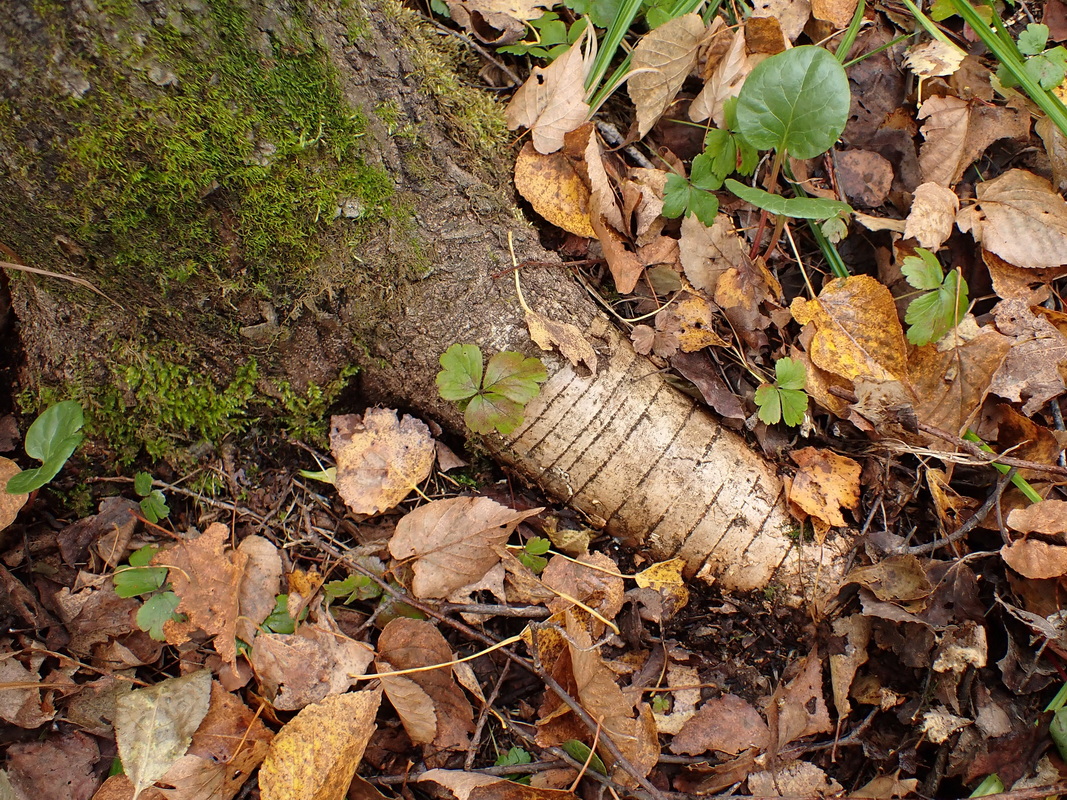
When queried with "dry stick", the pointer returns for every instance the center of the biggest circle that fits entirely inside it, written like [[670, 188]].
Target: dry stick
[[966, 527], [49, 274], [493, 610], [545, 678], [482, 716], [989, 458]]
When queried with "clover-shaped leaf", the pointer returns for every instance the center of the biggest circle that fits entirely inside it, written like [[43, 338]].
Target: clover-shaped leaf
[[493, 400]]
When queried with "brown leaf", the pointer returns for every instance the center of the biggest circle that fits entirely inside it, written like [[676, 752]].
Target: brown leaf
[[857, 332], [864, 177], [409, 644], [582, 148], [260, 584], [56, 768], [724, 724], [932, 215], [662, 60], [1056, 147], [824, 484], [552, 101], [856, 633], [957, 132], [743, 292], [1035, 559], [725, 80], [896, 579], [698, 369], [496, 22], [547, 333], [475, 786], [599, 585], [304, 667], [1019, 218], [23, 704], [453, 542], [792, 15], [1014, 283], [795, 779], [556, 191], [206, 578], [315, 754], [380, 458], [1031, 370], [1048, 517], [706, 253], [10, 504], [689, 320], [802, 710], [886, 787], [648, 340], [837, 12], [625, 266]]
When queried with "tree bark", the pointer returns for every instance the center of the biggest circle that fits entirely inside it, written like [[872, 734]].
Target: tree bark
[[622, 446]]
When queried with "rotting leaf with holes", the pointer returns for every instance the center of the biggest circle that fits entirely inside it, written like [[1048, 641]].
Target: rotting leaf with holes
[[315, 754], [154, 726], [380, 458], [453, 542]]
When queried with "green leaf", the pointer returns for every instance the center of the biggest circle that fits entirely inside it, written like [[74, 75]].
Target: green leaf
[[1047, 72], [923, 270], [769, 402], [156, 610], [516, 755], [703, 205], [675, 196], [935, 313], [488, 412], [461, 375], [794, 406], [142, 557], [703, 174], [661, 704], [279, 621], [1058, 731], [538, 546], [142, 484], [796, 207], [134, 581], [514, 376], [52, 439], [797, 100], [354, 587], [154, 507], [580, 751], [1033, 40], [602, 12], [790, 373], [536, 564], [328, 475]]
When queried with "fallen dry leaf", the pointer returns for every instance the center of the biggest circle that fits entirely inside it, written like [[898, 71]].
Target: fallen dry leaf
[[21, 703], [582, 149], [410, 644], [598, 585], [957, 132], [55, 768], [857, 332], [689, 321], [934, 58], [624, 264], [666, 578], [837, 12], [701, 372], [706, 253], [647, 340], [792, 15], [1019, 218], [932, 215], [547, 333], [556, 191], [475, 786], [154, 726], [261, 582], [306, 666], [1030, 373], [802, 709], [1056, 147], [552, 101], [886, 787], [206, 579], [662, 60], [725, 80], [1035, 559], [684, 700], [1048, 517], [824, 484], [724, 724], [315, 754], [795, 779], [865, 177], [453, 542], [496, 22], [10, 504], [895, 579], [380, 458], [855, 630]]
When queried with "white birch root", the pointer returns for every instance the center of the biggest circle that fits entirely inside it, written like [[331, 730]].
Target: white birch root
[[633, 453]]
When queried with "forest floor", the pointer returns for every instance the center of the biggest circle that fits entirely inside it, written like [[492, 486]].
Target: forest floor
[[391, 619]]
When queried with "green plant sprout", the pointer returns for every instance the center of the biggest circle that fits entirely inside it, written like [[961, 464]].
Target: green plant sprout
[[51, 439], [784, 400], [354, 587], [495, 399], [941, 308], [516, 755], [153, 501], [693, 195], [551, 37], [1046, 66], [139, 579], [533, 552]]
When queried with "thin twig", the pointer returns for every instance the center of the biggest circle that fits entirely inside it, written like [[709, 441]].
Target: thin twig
[[49, 274], [990, 458], [516, 80], [476, 737]]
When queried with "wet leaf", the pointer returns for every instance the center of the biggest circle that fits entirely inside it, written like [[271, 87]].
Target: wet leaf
[[663, 58], [453, 542], [556, 191], [1019, 218], [797, 101], [380, 458], [315, 754], [154, 726]]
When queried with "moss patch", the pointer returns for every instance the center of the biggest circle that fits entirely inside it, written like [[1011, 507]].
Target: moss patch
[[192, 153]]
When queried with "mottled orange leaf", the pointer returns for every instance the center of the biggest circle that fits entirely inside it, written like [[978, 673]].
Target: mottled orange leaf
[[824, 484]]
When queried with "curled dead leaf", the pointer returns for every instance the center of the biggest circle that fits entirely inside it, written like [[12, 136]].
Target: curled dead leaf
[[824, 484], [550, 184], [547, 333], [10, 504]]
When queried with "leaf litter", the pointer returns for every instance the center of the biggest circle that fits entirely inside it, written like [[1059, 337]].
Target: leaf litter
[[927, 670]]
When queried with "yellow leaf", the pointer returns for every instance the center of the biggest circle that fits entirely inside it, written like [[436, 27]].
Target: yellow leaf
[[317, 752], [857, 332], [824, 484], [556, 192]]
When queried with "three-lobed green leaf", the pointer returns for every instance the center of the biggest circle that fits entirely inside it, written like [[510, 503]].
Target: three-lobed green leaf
[[797, 101], [785, 400], [941, 308], [493, 400], [52, 439]]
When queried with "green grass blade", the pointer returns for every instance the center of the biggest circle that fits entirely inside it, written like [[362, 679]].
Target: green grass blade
[[1020, 483], [853, 31]]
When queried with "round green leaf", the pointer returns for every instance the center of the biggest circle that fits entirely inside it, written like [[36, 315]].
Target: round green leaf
[[51, 434], [461, 376], [797, 100]]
